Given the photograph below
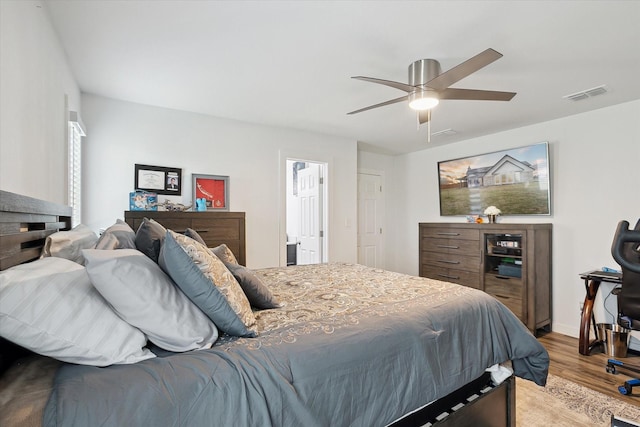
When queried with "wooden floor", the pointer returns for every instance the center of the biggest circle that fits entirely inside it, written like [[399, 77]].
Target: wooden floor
[[589, 371]]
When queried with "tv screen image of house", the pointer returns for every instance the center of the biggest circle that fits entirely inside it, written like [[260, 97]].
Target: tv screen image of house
[[516, 181]]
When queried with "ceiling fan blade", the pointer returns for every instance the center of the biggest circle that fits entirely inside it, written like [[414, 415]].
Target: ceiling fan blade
[[464, 69], [397, 85], [475, 95], [424, 116], [382, 104]]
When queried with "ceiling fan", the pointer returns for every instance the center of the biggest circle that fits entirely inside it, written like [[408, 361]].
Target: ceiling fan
[[428, 85]]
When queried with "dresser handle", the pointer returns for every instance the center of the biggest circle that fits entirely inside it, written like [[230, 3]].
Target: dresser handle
[[448, 262], [448, 247], [197, 231], [448, 234], [449, 277], [503, 277]]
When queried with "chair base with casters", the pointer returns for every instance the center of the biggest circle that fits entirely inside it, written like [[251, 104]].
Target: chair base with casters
[[613, 365], [625, 250]]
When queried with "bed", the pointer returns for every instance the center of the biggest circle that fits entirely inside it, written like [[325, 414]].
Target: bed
[[349, 346]]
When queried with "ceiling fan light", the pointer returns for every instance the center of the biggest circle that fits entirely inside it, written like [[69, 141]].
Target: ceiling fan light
[[425, 103], [423, 100]]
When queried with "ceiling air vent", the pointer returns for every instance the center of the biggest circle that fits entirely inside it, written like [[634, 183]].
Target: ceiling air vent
[[589, 93], [445, 132]]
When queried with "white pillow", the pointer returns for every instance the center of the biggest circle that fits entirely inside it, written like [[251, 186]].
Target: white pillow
[[143, 295], [50, 307], [69, 244]]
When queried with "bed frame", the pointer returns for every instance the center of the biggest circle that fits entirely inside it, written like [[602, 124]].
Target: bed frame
[[25, 223]]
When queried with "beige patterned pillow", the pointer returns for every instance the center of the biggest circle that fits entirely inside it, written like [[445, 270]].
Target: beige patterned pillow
[[224, 254], [203, 277]]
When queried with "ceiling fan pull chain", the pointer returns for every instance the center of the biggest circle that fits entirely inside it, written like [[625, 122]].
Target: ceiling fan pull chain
[[429, 126]]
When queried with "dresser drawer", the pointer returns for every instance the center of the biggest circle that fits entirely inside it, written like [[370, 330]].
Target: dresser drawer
[[455, 261], [451, 233], [179, 225], [513, 304], [223, 229], [508, 290], [461, 277], [502, 285], [450, 246]]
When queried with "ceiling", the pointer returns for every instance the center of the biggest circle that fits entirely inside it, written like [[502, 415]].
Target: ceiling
[[289, 63]]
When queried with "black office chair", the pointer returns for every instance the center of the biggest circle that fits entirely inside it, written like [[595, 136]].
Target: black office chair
[[626, 251]]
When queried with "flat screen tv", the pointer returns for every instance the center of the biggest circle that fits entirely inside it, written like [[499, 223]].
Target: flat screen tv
[[516, 181]]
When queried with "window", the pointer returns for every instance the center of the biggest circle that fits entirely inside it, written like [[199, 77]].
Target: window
[[76, 132]]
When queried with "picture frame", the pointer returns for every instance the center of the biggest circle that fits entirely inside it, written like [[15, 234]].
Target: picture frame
[[516, 181], [158, 179], [214, 189]]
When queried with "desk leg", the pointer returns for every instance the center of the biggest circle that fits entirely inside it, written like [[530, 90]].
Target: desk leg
[[584, 347]]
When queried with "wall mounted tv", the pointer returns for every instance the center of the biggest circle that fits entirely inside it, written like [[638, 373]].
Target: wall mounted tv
[[516, 181]]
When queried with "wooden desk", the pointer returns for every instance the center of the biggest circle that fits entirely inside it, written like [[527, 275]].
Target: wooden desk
[[592, 280]]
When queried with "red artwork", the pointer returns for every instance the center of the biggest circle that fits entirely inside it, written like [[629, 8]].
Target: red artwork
[[212, 190]]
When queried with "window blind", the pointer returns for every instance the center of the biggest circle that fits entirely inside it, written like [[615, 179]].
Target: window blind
[[76, 132]]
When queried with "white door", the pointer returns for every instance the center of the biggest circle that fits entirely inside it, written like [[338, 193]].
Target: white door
[[370, 220], [310, 210]]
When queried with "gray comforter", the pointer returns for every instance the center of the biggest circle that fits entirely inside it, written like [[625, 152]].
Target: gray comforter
[[352, 346]]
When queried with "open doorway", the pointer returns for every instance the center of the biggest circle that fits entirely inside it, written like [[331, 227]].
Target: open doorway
[[306, 212]]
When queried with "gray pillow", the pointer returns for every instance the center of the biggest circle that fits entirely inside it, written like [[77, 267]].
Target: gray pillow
[[144, 296], [50, 307], [190, 232], [257, 292], [118, 236], [69, 244], [149, 238], [208, 283]]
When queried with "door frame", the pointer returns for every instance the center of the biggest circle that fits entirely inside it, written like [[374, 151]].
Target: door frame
[[315, 188], [311, 156]]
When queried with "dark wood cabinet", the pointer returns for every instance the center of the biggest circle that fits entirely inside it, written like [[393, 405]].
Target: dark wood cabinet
[[511, 262], [215, 228]]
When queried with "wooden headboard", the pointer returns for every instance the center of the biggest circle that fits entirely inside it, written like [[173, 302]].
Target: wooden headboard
[[25, 223]]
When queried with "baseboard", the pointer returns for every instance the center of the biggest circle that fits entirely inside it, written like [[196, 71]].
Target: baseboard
[[574, 332], [569, 330]]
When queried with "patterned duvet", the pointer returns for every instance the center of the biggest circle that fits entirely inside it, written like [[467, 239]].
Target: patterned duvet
[[351, 346]]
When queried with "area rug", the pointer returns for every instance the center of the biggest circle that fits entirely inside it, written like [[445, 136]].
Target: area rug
[[563, 403]]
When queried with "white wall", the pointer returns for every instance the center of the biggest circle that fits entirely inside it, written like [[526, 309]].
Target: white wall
[[595, 158], [123, 134], [35, 83]]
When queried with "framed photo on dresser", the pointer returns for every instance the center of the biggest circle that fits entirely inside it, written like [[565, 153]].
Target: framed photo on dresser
[[213, 189]]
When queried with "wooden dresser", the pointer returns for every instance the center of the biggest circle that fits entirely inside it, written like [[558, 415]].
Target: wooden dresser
[[215, 228], [450, 253], [511, 262]]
